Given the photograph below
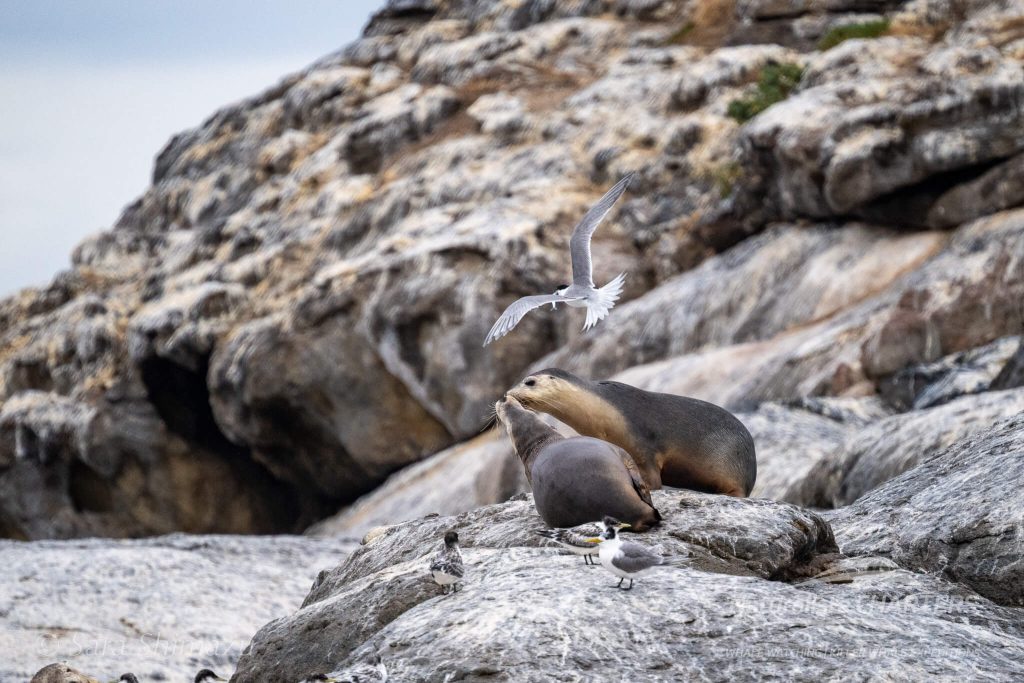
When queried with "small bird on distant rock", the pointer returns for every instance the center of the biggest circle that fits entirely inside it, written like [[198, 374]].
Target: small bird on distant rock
[[360, 673], [624, 559], [578, 540], [582, 293], [446, 568], [205, 676]]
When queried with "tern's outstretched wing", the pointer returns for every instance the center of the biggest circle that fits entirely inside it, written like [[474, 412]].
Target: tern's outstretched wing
[[514, 313], [579, 243]]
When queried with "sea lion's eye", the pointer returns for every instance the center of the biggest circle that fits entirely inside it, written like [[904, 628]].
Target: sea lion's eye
[[530, 382]]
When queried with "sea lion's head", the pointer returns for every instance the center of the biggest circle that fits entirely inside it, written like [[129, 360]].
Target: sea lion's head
[[575, 401], [551, 390], [525, 428]]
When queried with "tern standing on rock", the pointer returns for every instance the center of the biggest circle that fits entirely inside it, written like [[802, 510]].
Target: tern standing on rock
[[577, 540], [624, 559], [581, 293], [446, 568]]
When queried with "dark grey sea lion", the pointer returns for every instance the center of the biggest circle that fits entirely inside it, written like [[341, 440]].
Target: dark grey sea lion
[[579, 479]]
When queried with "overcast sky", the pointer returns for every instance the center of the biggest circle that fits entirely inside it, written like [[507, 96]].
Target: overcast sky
[[90, 90]]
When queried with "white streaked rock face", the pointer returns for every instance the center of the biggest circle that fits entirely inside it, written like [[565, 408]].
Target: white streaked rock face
[[161, 608]]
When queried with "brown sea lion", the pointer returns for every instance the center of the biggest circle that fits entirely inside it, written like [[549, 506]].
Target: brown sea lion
[[576, 480], [675, 440]]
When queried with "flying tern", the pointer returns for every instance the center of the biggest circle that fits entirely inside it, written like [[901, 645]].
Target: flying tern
[[581, 293]]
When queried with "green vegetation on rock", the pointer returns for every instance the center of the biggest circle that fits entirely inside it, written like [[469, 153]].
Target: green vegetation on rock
[[774, 85], [724, 176], [679, 37], [864, 29]]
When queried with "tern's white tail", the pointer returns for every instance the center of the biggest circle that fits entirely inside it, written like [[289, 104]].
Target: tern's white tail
[[604, 301]]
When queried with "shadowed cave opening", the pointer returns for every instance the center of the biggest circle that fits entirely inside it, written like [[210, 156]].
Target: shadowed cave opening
[[909, 206], [182, 399], [89, 492]]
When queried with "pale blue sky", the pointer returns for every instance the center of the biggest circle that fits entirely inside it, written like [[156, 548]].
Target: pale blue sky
[[90, 90]]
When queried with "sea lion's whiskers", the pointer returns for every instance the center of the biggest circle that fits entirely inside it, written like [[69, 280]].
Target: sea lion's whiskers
[[490, 420], [543, 402]]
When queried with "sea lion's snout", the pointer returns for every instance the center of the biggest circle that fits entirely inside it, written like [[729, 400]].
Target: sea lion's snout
[[507, 406]]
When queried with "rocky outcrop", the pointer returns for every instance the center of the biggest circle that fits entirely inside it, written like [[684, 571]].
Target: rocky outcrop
[[957, 514], [883, 130], [969, 372], [736, 595], [284, 334], [161, 608], [294, 309], [793, 439], [876, 453], [694, 335], [387, 579]]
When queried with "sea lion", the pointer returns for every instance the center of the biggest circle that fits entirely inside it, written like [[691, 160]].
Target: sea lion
[[675, 440], [576, 480]]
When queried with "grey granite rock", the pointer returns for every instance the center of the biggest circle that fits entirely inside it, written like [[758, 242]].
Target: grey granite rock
[[792, 440], [967, 372], [878, 452], [387, 580], [528, 613], [958, 514]]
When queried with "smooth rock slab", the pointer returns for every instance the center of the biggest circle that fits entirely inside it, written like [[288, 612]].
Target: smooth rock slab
[[481, 471], [162, 608], [959, 514]]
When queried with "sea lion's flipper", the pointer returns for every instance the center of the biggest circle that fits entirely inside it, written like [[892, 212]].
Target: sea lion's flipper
[[639, 484]]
